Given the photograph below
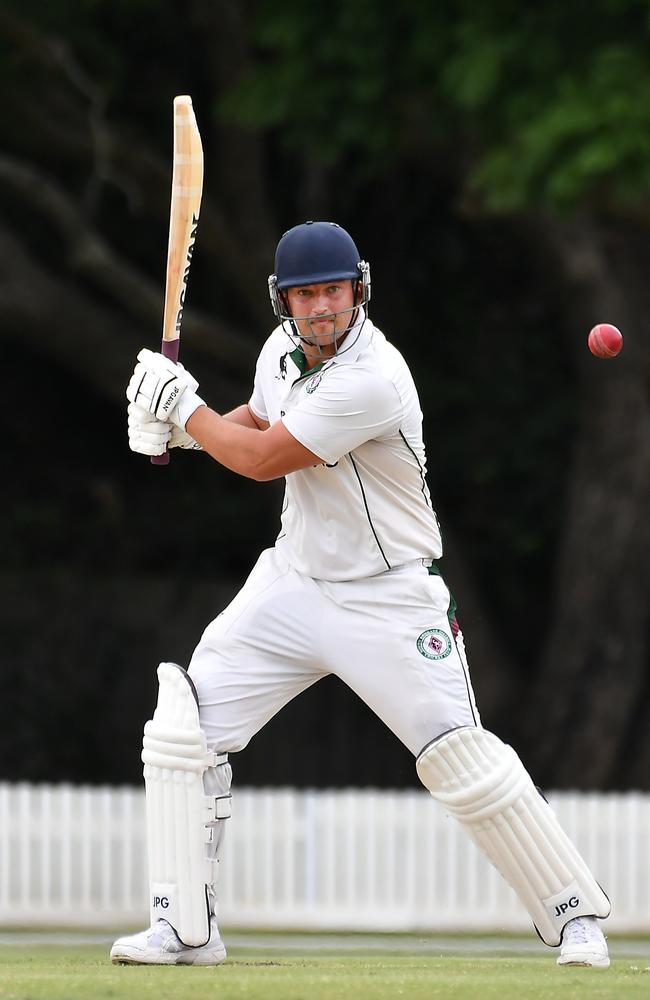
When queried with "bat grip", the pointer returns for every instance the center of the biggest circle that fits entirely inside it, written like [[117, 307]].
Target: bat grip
[[169, 350]]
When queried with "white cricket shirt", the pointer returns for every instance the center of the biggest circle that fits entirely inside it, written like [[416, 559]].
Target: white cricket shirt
[[368, 508]]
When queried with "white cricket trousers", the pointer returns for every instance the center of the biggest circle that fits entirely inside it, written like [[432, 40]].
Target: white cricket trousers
[[387, 637]]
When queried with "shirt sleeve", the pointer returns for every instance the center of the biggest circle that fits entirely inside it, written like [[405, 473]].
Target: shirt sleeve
[[345, 409], [256, 402]]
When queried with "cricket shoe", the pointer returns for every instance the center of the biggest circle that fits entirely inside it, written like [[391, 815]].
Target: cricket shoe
[[583, 943], [160, 945]]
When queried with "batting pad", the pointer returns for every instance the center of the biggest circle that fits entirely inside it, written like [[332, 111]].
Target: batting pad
[[180, 817], [484, 785]]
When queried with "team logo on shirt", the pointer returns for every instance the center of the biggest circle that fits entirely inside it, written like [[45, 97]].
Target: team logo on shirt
[[434, 644], [312, 384]]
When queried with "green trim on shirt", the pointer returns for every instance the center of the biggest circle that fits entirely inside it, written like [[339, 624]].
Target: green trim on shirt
[[300, 361]]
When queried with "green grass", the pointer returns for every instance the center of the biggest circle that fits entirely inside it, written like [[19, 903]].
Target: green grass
[[84, 973]]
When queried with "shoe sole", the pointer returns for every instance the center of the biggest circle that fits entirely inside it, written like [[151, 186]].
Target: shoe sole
[[122, 960], [584, 963], [172, 960]]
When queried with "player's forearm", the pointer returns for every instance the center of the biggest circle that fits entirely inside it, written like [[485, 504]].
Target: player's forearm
[[233, 440]]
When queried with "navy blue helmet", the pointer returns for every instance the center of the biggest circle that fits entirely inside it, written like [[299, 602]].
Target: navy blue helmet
[[315, 252]]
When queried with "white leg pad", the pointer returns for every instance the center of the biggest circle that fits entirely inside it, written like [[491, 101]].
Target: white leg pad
[[484, 785], [180, 818]]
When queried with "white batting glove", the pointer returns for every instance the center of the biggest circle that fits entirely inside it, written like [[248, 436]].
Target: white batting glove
[[163, 388], [149, 436], [181, 439]]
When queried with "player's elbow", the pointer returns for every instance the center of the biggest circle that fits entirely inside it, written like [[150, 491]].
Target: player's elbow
[[263, 473], [258, 465], [265, 460]]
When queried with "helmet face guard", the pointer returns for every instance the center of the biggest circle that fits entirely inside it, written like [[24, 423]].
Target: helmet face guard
[[312, 254]]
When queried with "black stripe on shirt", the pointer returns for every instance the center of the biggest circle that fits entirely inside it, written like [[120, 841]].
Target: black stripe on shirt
[[365, 504], [425, 489]]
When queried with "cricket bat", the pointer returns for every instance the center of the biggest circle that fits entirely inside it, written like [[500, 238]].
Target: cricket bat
[[187, 187]]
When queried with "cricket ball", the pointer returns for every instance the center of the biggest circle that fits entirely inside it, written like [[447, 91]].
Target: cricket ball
[[605, 340]]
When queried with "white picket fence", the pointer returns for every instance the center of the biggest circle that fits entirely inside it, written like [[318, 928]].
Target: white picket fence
[[354, 859]]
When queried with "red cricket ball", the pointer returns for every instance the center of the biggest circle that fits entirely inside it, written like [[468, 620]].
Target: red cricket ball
[[605, 340]]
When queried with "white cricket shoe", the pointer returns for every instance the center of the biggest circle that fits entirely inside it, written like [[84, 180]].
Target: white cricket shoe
[[583, 943], [160, 945]]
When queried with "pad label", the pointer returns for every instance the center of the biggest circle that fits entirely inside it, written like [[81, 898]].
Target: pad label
[[434, 644], [562, 908], [565, 904], [163, 901]]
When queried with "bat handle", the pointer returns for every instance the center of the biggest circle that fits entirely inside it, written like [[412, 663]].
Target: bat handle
[[170, 350]]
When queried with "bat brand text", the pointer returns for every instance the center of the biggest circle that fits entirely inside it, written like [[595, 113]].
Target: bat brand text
[[186, 272]]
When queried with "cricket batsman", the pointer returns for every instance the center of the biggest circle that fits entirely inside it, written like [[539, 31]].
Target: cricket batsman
[[351, 587]]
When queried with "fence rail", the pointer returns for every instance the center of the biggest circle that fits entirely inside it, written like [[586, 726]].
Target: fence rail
[[353, 859]]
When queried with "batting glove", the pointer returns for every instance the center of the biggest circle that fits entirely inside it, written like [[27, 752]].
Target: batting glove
[[163, 388], [181, 439], [149, 436]]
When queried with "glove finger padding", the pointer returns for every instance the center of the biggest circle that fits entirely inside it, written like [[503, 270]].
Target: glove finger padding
[[147, 444], [157, 385], [160, 365], [137, 415], [147, 435], [158, 392]]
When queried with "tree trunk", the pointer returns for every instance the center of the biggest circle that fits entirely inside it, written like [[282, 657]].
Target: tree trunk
[[594, 657]]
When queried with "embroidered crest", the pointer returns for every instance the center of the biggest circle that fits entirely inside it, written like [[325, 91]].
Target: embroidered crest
[[313, 383], [434, 644]]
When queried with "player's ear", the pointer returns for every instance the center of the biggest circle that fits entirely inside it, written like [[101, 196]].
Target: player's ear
[[358, 292]]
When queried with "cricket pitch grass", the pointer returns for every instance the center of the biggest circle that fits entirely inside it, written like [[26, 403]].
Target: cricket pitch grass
[[83, 972]]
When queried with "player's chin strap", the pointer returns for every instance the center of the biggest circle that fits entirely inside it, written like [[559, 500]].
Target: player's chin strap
[[484, 785], [344, 341], [184, 824]]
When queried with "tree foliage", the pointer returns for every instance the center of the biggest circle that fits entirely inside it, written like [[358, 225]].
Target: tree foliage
[[544, 104]]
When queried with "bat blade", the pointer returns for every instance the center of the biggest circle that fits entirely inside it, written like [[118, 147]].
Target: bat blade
[[187, 188]]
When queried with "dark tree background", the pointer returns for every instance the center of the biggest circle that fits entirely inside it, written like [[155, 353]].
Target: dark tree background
[[493, 163]]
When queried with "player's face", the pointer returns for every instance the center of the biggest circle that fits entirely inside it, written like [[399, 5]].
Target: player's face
[[313, 306]]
